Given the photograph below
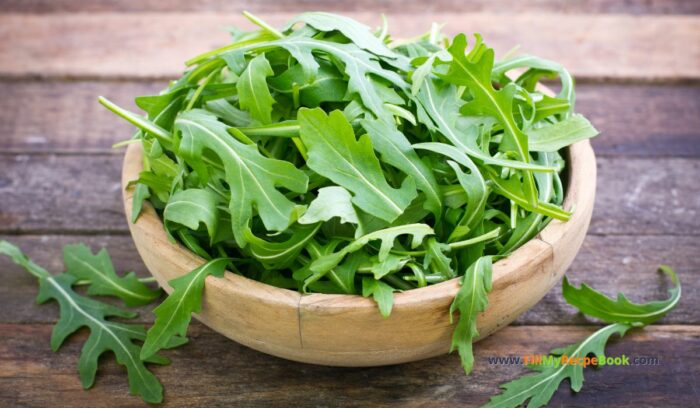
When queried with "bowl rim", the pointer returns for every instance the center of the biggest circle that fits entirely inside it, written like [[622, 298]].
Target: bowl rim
[[578, 153]]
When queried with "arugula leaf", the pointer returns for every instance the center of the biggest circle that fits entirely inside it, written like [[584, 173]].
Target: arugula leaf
[[442, 105], [279, 255], [436, 260], [253, 93], [356, 32], [77, 311], [471, 299], [358, 64], [174, 314], [99, 272], [553, 137], [386, 236], [537, 66], [397, 151], [351, 163], [533, 222], [538, 388], [327, 85], [251, 176], [474, 71], [141, 193], [593, 303], [228, 113], [382, 293], [392, 263], [331, 202], [191, 207]]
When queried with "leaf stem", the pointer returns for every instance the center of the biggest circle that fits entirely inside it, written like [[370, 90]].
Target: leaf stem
[[139, 121], [84, 282], [258, 22], [493, 234]]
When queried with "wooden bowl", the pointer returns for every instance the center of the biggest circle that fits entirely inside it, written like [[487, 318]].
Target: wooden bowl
[[347, 330]]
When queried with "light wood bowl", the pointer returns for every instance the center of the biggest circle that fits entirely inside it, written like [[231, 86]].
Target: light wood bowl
[[347, 330]]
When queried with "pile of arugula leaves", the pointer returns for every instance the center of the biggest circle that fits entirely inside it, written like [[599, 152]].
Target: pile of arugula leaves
[[326, 158]]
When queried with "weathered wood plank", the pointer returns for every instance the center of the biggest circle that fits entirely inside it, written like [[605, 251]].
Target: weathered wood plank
[[644, 120], [79, 193], [63, 116], [607, 263], [54, 192], [214, 371], [647, 196], [156, 44], [386, 6]]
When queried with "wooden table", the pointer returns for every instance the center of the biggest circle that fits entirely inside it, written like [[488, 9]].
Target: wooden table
[[638, 70]]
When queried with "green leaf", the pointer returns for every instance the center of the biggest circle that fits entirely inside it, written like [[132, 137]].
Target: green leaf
[[397, 151], [253, 93], [331, 202], [358, 65], [326, 85], [537, 65], [392, 263], [386, 236], [191, 207], [474, 71], [174, 314], [420, 73], [513, 190], [103, 280], [163, 108], [441, 104], [538, 388], [382, 294], [229, 113], [279, 255], [334, 153], [551, 138], [471, 300], [533, 223], [251, 176], [356, 32], [76, 312], [436, 260], [141, 193], [593, 303]]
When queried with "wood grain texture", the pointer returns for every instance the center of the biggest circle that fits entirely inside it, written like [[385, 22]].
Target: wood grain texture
[[79, 193], [55, 192], [212, 371], [386, 6], [345, 330], [60, 116], [97, 45]]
